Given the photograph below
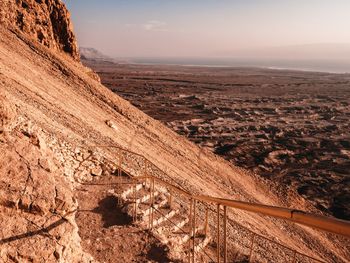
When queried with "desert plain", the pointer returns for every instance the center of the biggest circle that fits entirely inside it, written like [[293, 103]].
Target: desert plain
[[291, 127]]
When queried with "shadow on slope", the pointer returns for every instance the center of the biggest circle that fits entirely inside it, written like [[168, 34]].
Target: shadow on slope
[[112, 214]]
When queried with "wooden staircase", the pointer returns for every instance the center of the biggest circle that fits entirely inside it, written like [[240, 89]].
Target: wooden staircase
[[172, 225]]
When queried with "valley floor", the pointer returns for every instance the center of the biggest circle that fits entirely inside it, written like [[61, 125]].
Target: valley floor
[[289, 126]]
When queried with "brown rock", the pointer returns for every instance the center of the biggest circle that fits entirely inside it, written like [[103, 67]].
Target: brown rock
[[36, 206], [46, 21], [47, 164], [96, 171], [7, 113]]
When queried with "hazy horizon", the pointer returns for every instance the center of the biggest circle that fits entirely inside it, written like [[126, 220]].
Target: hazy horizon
[[241, 29]]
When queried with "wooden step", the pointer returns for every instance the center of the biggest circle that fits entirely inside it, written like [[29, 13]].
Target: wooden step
[[131, 191], [143, 198], [169, 226], [180, 225], [186, 237], [173, 226], [130, 208], [146, 212], [202, 244], [162, 219]]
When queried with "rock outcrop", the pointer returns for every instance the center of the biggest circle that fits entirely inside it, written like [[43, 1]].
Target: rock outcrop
[[37, 206], [47, 21]]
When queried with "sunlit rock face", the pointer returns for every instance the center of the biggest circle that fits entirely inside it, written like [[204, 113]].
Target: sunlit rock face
[[47, 21]]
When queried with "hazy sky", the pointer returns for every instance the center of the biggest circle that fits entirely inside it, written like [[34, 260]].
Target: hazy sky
[[131, 28]]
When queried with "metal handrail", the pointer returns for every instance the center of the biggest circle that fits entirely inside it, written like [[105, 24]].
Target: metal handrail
[[332, 225], [277, 212], [295, 252], [146, 159]]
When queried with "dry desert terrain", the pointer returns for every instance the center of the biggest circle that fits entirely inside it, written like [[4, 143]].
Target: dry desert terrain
[[288, 126]]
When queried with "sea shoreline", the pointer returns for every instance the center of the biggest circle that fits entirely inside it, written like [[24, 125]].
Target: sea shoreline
[[243, 65]]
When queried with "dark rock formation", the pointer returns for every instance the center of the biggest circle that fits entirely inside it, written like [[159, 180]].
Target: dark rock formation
[[47, 21]]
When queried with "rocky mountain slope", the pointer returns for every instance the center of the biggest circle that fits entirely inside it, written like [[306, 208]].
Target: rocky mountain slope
[[55, 119], [47, 21]]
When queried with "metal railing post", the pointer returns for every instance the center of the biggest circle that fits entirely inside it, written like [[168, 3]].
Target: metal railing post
[[218, 234], [225, 234], [206, 221], [190, 233], [144, 167], [170, 199], [152, 203], [194, 231], [119, 199], [119, 178], [120, 166], [251, 248], [135, 204]]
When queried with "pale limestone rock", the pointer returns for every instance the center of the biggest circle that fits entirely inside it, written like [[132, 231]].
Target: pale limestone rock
[[35, 197], [112, 124], [96, 171]]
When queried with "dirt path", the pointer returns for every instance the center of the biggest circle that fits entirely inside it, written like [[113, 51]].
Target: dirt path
[[107, 233]]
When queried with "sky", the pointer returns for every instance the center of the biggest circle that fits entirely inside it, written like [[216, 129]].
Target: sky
[[209, 28]]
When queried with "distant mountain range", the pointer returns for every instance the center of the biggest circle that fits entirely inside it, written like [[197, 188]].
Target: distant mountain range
[[89, 53], [92, 53], [324, 57]]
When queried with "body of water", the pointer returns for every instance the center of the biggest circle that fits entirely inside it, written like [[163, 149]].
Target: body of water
[[321, 65]]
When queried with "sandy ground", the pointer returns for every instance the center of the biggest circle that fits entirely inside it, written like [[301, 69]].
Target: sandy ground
[[291, 127]]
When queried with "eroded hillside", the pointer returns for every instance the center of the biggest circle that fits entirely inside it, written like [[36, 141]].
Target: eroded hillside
[[55, 117], [45, 21], [287, 126]]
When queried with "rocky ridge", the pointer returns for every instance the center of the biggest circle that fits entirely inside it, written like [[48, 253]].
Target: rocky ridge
[[46, 21]]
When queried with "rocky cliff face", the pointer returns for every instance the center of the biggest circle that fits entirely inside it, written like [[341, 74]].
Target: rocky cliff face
[[47, 21]]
